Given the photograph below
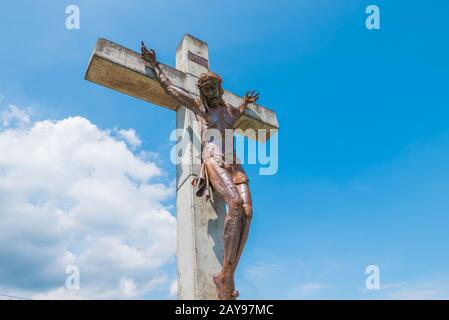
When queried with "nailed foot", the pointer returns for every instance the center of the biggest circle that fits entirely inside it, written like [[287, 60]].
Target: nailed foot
[[225, 292]]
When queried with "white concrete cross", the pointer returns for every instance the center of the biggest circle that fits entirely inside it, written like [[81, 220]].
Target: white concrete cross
[[199, 223]]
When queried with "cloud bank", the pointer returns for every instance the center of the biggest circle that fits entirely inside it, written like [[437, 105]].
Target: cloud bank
[[72, 194]]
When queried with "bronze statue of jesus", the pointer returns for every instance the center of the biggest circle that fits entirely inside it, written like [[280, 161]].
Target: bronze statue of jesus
[[226, 177]]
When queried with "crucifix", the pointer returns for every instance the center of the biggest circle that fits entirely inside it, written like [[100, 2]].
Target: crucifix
[[210, 237]]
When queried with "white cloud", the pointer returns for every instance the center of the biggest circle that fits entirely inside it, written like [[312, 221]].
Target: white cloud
[[15, 115], [73, 194], [130, 137], [307, 289], [128, 287], [424, 290], [260, 271], [173, 291]]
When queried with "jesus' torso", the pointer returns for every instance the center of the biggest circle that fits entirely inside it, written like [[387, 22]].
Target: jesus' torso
[[217, 125]]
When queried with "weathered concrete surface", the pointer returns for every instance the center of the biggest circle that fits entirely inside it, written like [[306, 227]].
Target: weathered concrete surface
[[121, 69], [199, 48], [200, 223]]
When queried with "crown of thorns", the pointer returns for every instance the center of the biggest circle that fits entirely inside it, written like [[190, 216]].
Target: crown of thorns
[[207, 78]]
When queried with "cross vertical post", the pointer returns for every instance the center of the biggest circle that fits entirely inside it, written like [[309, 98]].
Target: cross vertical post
[[199, 223]]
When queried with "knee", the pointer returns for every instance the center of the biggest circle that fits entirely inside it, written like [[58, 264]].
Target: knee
[[248, 208]]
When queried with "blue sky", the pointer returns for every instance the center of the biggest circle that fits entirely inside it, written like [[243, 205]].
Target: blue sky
[[364, 142]]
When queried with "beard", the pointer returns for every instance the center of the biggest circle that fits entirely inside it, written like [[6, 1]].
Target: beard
[[213, 101]]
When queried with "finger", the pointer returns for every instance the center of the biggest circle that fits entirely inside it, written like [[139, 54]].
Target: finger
[[256, 95], [252, 93], [247, 94]]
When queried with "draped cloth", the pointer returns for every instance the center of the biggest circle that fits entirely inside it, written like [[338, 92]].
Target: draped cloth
[[202, 183], [212, 155]]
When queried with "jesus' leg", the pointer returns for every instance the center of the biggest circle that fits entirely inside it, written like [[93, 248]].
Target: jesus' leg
[[223, 183], [247, 217]]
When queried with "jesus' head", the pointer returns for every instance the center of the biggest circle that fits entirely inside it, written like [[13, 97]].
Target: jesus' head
[[210, 88]]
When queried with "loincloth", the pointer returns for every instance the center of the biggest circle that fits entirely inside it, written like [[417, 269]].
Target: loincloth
[[213, 156]]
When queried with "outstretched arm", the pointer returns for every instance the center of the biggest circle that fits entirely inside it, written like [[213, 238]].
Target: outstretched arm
[[183, 97], [250, 97]]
